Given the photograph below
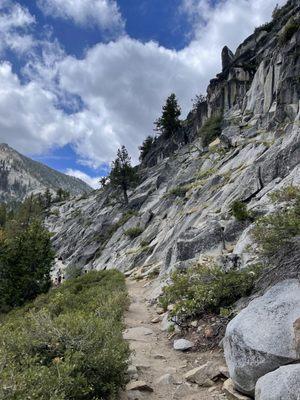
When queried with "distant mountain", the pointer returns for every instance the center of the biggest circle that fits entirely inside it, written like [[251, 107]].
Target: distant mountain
[[21, 176]]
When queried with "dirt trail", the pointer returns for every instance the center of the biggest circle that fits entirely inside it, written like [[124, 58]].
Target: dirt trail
[[161, 367]]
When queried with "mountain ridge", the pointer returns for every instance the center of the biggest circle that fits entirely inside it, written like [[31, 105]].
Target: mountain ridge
[[21, 176]]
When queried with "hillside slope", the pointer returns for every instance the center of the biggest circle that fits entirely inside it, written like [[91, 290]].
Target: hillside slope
[[21, 176], [182, 204]]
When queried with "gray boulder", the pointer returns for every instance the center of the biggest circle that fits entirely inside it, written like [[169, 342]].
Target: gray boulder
[[261, 338], [284, 383], [182, 345]]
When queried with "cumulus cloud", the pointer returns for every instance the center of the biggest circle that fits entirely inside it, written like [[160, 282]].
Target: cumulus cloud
[[15, 24], [120, 85], [29, 120], [104, 14], [92, 182]]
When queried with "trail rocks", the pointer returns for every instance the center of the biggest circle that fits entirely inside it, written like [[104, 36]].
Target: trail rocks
[[139, 385], [204, 375], [137, 333], [231, 392], [261, 338], [182, 345], [284, 383]]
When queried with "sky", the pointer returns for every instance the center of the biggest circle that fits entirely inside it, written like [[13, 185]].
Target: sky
[[80, 78]]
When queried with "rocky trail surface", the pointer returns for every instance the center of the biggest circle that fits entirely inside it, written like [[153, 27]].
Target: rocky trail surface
[[157, 370]]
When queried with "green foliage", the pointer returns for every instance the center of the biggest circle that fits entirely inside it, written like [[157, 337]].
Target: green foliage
[[26, 258], [197, 102], [287, 194], [200, 290], [289, 30], [268, 26], [275, 232], [179, 191], [169, 123], [239, 210], [123, 175], [134, 232], [211, 129], [61, 195], [146, 147], [280, 12], [3, 215], [68, 343], [72, 272]]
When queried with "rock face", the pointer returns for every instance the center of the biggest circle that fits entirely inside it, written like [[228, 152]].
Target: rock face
[[183, 201], [284, 383], [20, 176], [261, 338]]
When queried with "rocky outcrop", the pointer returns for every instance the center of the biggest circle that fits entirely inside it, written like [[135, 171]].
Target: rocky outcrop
[[261, 338], [182, 204], [284, 383]]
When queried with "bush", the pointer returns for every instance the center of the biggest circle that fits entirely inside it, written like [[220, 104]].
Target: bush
[[211, 129], [288, 32], [200, 290], [67, 344], [239, 210], [134, 232], [179, 191], [72, 272], [275, 232]]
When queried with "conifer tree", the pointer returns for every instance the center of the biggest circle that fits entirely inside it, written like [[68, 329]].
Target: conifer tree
[[169, 123], [26, 259], [123, 175], [146, 147]]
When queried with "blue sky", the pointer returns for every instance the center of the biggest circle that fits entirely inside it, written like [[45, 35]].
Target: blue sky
[[79, 78]]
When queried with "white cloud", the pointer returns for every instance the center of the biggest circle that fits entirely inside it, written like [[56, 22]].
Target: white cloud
[[29, 120], [15, 23], [92, 182], [122, 85], [102, 13]]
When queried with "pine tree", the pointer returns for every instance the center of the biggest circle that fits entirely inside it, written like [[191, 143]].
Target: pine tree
[[26, 259], [146, 147], [169, 123], [47, 198], [123, 175]]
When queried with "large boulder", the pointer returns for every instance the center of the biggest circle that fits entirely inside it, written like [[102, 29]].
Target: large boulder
[[264, 335], [284, 383]]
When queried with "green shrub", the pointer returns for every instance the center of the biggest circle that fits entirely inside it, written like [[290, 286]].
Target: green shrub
[[268, 26], [288, 32], [179, 191], [275, 232], [68, 343], [211, 129], [239, 210], [200, 290], [134, 232], [72, 272], [287, 194]]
